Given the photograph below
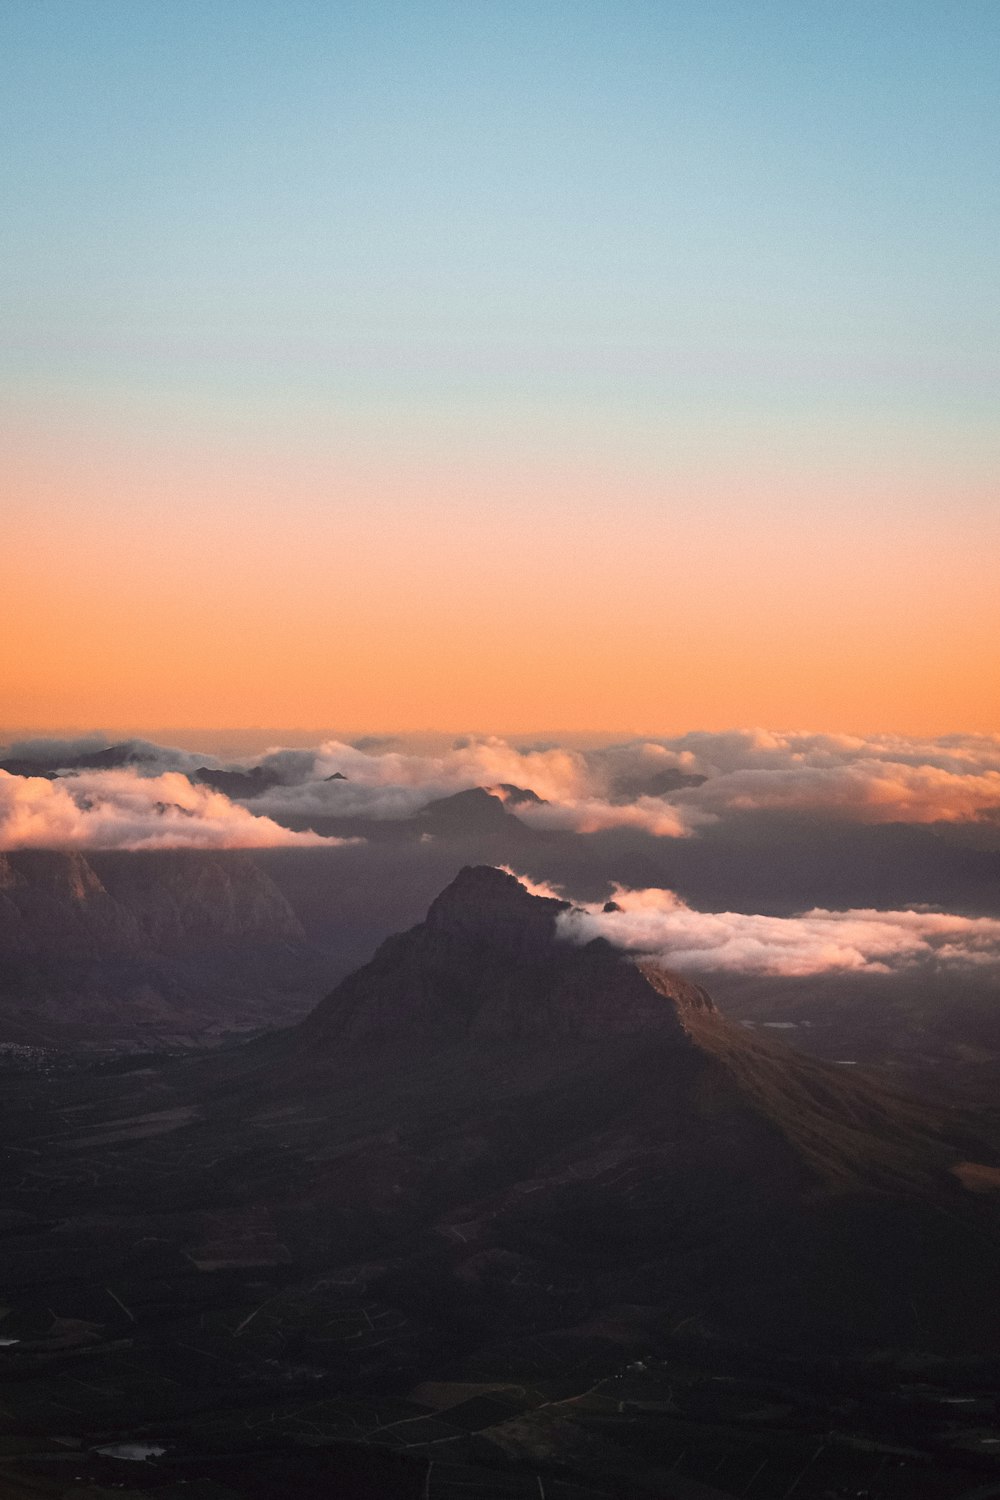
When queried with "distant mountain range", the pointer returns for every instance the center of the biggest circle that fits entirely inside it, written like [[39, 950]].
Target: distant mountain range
[[478, 812], [114, 945], [111, 758]]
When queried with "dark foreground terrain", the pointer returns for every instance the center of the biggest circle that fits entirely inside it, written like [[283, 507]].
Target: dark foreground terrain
[[501, 1217]]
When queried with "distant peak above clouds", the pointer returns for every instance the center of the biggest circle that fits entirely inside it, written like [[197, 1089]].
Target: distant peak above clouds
[[46, 756], [665, 787]]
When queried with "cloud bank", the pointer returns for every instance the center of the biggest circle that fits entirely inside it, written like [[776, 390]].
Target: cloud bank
[[120, 809], [670, 787], [658, 923]]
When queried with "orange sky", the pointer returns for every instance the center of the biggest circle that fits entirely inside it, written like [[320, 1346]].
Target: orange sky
[[196, 588]]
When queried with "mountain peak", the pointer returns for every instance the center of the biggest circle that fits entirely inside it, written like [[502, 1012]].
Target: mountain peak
[[474, 809], [488, 976], [489, 962], [487, 897], [516, 796]]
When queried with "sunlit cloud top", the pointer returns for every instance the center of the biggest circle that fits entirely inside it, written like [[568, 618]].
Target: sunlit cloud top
[[657, 923], [91, 791], [120, 810]]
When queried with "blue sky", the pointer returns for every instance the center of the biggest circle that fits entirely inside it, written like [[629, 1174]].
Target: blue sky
[[789, 205]]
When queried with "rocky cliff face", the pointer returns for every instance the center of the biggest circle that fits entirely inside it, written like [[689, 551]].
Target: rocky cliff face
[[112, 943], [186, 900], [54, 904], [112, 904], [487, 963], [487, 975]]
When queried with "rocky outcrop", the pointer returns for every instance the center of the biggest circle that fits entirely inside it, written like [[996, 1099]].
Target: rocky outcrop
[[237, 784], [487, 962], [488, 971], [99, 947], [112, 904]]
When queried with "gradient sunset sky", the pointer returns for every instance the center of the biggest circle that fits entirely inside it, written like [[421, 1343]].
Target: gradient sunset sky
[[621, 366]]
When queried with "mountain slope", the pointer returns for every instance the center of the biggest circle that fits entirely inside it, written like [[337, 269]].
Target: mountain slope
[[479, 815], [116, 945], [488, 967], [103, 905], [512, 1094]]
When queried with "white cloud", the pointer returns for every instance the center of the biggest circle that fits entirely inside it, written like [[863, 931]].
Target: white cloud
[[123, 810], [594, 814], [880, 779], [657, 922], [869, 780]]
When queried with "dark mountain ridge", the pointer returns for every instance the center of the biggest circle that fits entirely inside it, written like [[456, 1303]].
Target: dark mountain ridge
[[476, 813], [103, 904], [237, 784], [488, 970], [115, 945], [486, 964], [111, 758]]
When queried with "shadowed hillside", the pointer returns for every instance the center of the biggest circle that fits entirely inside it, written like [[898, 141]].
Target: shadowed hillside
[[493, 1165]]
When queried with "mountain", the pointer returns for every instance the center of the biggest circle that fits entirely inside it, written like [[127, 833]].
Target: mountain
[[626, 788], [117, 945], [486, 965], [112, 758], [476, 814], [517, 796], [473, 811], [104, 904], [503, 1214], [487, 977], [570, 1107], [237, 784]]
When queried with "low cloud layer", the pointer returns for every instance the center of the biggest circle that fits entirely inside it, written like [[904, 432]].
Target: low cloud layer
[[120, 809], [658, 923], [671, 787]]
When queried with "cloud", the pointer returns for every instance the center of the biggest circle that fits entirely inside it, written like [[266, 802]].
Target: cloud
[[878, 780], [641, 784], [717, 754], [869, 791], [150, 759], [123, 810], [658, 923], [396, 783], [594, 815], [582, 791], [669, 787]]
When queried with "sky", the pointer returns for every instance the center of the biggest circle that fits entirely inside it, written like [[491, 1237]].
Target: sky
[[595, 366]]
